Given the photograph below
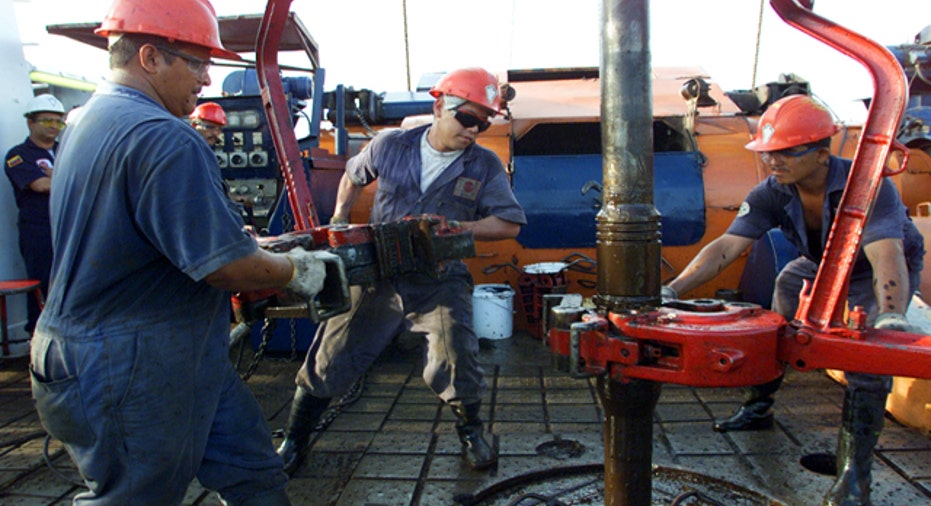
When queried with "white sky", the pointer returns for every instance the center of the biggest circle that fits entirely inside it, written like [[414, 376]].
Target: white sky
[[362, 41]]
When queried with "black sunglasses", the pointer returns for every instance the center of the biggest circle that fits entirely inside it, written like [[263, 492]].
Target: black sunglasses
[[468, 121]]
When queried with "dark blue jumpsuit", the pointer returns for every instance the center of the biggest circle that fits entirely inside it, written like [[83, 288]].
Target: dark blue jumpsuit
[[130, 358], [771, 204], [24, 164]]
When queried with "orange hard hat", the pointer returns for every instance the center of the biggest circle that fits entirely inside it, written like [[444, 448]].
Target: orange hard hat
[[473, 84], [209, 111], [792, 121], [191, 21]]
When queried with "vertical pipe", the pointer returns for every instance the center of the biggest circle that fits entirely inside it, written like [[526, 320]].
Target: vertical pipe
[[628, 237], [628, 437]]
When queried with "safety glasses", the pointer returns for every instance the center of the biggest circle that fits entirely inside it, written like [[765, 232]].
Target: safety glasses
[[51, 122], [210, 128], [468, 121], [196, 65], [789, 153]]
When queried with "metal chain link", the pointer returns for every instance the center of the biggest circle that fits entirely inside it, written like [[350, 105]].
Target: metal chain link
[[267, 329]]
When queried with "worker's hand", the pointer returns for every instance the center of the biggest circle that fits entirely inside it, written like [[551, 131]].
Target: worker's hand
[[339, 220], [892, 321], [667, 293], [308, 271]]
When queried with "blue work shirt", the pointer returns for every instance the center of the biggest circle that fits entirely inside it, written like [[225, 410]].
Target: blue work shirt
[[771, 204], [139, 218], [24, 164], [473, 187]]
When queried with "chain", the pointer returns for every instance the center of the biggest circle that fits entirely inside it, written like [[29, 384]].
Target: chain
[[267, 329], [293, 339], [351, 396]]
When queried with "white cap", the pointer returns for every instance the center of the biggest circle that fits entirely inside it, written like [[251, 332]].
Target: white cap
[[44, 103]]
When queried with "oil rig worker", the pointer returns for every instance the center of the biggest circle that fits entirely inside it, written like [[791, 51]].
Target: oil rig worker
[[130, 361], [435, 169], [29, 167], [801, 198], [209, 119]]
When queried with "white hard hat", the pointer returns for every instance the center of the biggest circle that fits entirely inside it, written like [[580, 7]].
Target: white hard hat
[[44, 103]]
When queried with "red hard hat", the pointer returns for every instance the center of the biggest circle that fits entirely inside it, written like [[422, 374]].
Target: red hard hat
[[792, 121], [209, 111], [473, 84], [191, 21]]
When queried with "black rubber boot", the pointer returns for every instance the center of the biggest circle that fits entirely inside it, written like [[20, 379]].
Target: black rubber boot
[[475, 450], [859, 432], [305, 413], [756, 412]]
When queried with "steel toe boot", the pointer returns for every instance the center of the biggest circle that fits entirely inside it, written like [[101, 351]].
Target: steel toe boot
[[475, 450], [756, 412], [859, 432], [305, 413]]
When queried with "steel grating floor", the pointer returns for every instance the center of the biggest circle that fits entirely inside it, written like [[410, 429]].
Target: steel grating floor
[[396, 444]]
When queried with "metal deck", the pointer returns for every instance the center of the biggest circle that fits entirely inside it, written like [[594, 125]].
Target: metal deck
[[396, 445]]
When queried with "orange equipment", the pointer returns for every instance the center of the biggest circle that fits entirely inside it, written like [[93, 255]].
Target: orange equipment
[[473, 84], [792, 121], [209, 111], [191, 22]]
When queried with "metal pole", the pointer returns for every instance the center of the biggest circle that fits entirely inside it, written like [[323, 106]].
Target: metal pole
[[628, 240], [628, 438], [628, 237]]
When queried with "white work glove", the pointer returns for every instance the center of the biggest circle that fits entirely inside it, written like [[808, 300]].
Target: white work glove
[[339, 220], [308, 271], [892, 321], [667, 293]]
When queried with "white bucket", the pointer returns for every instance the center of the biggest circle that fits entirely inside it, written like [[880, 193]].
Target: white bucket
[[493, 311]]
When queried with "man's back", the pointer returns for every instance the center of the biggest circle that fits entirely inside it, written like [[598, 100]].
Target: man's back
[[138, 216]]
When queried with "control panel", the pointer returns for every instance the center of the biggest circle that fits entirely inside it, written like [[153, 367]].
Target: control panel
[[247, 158]]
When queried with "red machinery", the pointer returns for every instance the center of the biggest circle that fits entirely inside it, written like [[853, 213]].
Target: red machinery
[[712, 343], [631, 347]]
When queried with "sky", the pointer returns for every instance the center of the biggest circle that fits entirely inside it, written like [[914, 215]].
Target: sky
[[362, 43]]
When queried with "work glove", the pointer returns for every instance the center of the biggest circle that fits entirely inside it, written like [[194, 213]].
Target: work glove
[[892, 321], [308, 271], [667, 293], [339, 220]]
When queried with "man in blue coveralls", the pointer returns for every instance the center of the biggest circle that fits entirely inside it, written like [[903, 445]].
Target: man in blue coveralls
[[130, 363], [801, 198], [29, 166], [435, 169]]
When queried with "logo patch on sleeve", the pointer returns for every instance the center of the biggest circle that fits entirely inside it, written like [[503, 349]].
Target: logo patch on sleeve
[[13, 162], [467, 188], [744, 209]]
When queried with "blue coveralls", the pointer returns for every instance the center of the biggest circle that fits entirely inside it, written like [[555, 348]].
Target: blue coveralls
[[130, 358], [24, 164], [474, 186], [771, 204]]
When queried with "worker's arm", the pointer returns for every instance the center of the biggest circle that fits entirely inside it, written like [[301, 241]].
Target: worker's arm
[[346, 195], [299, 271], [41, 185], [710, 261], [890, 275], [491, 228], [258, 271]]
